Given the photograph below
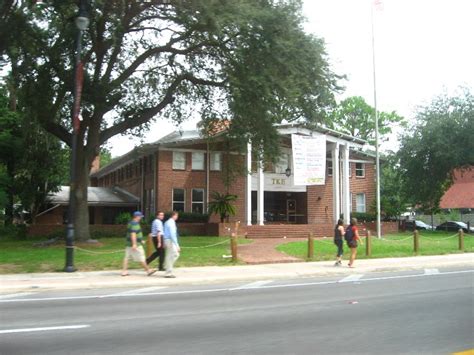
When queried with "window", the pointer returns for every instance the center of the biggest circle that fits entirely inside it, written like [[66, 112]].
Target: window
[[360, 170], [216, 161], [179, 161], [197, 161], [198, 201], [282, 164], [178, 200], [360, 203], [329, 165]]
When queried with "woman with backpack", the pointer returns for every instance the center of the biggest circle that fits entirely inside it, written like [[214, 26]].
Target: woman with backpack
[[352, 237], [338, 234]]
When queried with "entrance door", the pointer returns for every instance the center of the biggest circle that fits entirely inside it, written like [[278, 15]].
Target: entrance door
[[291, 211]]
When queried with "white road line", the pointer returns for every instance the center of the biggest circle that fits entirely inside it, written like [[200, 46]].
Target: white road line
[[431, 271], [44, 329], [136, 291], [352, 278], [256, 284], [13, 295], [215, 290]]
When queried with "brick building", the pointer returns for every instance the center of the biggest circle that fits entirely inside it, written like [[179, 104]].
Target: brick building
[[181, 170]]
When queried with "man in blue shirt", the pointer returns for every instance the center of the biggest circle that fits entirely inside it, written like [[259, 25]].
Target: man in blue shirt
[[158, 242], [171, 244]]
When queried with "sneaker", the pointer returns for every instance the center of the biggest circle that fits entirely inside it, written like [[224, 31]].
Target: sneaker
[[337, 263], [170, 276]]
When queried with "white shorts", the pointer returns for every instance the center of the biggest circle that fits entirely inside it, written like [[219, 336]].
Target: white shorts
[[137, 255]]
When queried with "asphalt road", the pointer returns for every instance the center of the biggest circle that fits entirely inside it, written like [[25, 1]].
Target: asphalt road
[[415, 312]]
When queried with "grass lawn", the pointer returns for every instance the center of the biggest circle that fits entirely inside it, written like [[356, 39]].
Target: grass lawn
[[395, 245], [21, 256]]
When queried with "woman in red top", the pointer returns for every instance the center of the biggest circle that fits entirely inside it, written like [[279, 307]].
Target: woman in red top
[[352, 244]]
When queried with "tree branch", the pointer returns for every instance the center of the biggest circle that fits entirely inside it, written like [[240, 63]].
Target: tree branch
[[144, 116]]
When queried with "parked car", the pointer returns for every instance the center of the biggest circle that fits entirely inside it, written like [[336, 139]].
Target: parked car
[[420, 225], [453, 226]]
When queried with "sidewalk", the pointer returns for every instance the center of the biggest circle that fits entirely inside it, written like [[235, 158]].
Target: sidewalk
[[216, 274]]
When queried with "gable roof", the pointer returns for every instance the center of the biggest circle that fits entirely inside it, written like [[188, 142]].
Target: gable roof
[[461, 192]]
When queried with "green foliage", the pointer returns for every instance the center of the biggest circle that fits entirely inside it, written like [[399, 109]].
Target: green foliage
[[123, 218], [439, 142], [392, 200], [32, 162], [222, 205], [357, 118], [364, 217], [190, 217], [247, 60]]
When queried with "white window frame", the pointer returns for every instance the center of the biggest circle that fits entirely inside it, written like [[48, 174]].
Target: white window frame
[[350, 201], [363, 170], [216, 161], [359, 205], [173, 200], [329, 167], [194, 161], [197, 202], [179, 164]]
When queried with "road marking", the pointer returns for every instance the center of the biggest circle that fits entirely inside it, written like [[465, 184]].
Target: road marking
[[256, 284], [431, 271], [229, 289], [352, 278], [465, 352], [136, 291], [44, 329], [13, 295]]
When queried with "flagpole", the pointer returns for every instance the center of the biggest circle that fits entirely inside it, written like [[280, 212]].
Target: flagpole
[[377, 159]]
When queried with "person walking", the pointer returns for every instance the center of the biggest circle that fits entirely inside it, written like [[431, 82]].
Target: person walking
[[338, 234], [158, 242], [171, 244], [352, 239], [134, 249]]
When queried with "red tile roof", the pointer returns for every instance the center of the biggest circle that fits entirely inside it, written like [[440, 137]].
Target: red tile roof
[[461, 193]]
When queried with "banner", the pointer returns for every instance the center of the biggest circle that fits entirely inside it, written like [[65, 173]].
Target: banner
[[309, 159]]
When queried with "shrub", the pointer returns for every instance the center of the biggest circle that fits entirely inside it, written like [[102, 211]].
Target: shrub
[[364, 217], [190, 217], [123, 218]]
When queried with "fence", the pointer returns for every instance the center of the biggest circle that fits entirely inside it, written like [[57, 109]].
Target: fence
[[440, 218]]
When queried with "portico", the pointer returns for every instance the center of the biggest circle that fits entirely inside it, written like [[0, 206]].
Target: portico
[[273, 197]]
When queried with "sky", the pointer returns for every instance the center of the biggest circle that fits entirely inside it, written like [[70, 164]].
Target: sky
[[422, 49]]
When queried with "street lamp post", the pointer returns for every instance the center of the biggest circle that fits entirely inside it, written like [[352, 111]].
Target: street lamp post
[[82, 22]]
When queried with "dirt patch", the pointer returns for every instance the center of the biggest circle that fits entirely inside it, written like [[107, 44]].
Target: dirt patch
[[9, 268]]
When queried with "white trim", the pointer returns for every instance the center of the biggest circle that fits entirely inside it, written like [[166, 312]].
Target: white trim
[[329, 138], [345, 184], [249, 184], [335, 183], [260, 194]]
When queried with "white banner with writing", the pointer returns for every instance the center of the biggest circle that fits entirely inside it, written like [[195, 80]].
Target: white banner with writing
[[309, 159]]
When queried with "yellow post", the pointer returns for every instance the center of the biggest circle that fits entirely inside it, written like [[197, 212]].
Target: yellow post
[[310, 246], [368, 244], [416, 241], [149, 246], [233, 247], [461, 239]]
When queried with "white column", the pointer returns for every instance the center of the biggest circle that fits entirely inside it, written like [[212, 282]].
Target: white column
[[249, 184], [260, 206], [345, 184], [336, 195]]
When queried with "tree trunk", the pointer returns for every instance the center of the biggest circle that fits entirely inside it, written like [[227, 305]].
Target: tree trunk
[[81, 209]]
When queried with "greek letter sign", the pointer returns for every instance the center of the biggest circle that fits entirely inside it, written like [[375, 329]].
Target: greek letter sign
[[309, 159]]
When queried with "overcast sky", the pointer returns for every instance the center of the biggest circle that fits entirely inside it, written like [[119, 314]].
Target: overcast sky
[[422, 48]]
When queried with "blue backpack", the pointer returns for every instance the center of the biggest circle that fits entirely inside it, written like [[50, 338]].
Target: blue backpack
[[349, 235]]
